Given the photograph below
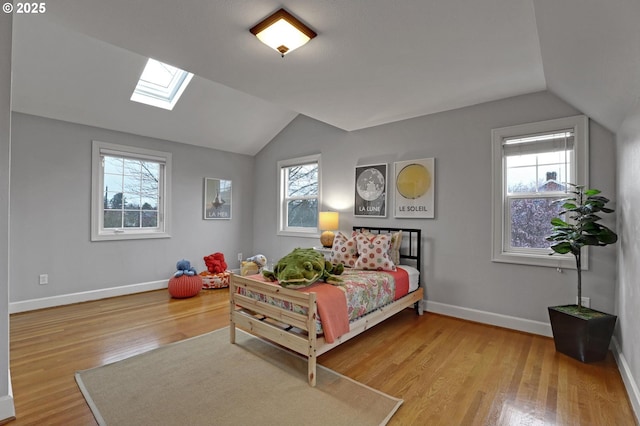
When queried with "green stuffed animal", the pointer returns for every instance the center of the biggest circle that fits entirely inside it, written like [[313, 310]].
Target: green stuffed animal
[[303, 267]]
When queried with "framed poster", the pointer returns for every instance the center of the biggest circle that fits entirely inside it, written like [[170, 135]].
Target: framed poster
[[414, 188], [217, 198], [371, 191]]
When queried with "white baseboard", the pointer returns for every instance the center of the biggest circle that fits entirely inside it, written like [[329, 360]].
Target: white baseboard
[[514, 323], [85, 296], [629, 382], [7, 408]]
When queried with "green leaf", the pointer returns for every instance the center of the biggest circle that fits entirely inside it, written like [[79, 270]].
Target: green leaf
[[590, 192], [556, 221], [561, 248]]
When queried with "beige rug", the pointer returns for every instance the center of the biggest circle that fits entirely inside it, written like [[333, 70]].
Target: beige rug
[[208, 381]]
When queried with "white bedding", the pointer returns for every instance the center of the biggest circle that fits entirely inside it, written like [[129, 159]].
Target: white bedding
[[414, 277]]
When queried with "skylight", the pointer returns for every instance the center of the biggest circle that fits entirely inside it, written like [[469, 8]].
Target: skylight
[[161, 85]]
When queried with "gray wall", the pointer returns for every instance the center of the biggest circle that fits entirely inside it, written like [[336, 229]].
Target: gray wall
[[50, 212], [6, 402], [628, 292], [457, 244]]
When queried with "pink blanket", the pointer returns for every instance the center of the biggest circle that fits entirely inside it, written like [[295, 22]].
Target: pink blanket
[[332, 308]]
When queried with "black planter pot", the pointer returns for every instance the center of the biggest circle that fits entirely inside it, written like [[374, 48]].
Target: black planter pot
[[586, 340]]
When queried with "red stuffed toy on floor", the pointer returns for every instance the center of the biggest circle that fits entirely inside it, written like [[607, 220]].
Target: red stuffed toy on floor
[[215, 263]]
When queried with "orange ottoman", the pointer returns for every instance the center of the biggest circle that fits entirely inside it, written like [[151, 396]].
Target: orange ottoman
[[185, 286]]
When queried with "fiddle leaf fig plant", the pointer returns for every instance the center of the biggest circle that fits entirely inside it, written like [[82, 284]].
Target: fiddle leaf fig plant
[[582, 229]]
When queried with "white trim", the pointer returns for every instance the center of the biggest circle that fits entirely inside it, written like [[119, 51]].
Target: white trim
[[7, 407], [580, 126], [97, 234], [282, 229], [85, 296], [506, 321], [633, 392]]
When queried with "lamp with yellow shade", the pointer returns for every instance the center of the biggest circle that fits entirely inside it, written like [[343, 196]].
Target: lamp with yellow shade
[[327, 222]]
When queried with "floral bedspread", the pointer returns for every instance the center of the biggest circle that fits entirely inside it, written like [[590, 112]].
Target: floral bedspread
[[365, 292]]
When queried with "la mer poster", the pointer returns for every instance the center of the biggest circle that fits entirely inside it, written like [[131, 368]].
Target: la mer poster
[[217, 199], [414, 188], [371, 191]]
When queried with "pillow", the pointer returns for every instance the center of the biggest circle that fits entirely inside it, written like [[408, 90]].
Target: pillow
[[394, 248], [344, 250], [374, 252]]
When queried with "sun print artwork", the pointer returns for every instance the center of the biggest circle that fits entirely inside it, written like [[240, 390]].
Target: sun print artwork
[[414, 188]]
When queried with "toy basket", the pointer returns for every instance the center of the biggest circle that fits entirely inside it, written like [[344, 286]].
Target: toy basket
[[210, 280]]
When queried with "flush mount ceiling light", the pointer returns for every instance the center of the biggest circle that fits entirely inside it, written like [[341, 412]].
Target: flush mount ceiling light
[[283, 32]]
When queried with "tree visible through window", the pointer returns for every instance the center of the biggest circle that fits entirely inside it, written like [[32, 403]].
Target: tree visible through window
[[300, 193], [130, 192], [532, 165]]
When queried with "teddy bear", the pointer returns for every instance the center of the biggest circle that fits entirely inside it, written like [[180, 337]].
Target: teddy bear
[[258, 259], [215, 263], [253, 265], [184, 268]]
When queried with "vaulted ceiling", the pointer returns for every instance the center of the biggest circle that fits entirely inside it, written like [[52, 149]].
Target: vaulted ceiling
[[373, 62]]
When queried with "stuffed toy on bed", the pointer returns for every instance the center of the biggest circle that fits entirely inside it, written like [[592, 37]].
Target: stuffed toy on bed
[[303, 267]]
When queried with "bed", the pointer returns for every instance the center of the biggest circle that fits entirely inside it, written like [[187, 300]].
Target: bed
[[294, 318]]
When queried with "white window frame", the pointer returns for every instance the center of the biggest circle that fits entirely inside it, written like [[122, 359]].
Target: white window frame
[[158, 94], [98, 233], [283, 229], [579, 175]]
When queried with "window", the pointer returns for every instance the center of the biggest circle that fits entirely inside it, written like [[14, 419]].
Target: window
[[531, 165], [161, 85], [130, 192], [299, 183]]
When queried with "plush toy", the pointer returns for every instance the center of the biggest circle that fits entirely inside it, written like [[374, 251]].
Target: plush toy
[[258, 259], [302, 267], [215, 263], [184, 268], [253, 265]]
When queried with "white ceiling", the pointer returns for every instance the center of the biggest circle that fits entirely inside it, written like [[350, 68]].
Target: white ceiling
[[373, 62]]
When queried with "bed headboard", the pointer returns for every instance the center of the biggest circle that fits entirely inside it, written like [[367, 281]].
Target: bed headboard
[[411, 247]]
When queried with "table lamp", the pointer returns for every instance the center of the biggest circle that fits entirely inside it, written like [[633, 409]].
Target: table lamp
[[327, 222]]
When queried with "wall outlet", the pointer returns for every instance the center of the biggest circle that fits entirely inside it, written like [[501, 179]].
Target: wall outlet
[[44, 279], [586, 301], [240, 258]]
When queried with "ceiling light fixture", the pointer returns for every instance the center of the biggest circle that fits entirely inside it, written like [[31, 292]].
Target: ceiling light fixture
[[283, 32]]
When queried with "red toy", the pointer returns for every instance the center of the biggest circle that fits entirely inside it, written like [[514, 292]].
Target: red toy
[[215, 263]]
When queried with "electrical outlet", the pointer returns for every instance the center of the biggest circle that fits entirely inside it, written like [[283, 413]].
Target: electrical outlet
[[44, 279], [240, 257], [586, 301]]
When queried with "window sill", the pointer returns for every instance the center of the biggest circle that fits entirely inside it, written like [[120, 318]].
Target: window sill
[[532, 260]]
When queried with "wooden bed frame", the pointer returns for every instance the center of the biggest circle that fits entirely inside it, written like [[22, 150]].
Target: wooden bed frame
[[297, 331]]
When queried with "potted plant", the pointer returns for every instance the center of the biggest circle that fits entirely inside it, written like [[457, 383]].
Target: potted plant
[[578, 331]]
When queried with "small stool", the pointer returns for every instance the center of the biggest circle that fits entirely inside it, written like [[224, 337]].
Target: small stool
[[185, 286]]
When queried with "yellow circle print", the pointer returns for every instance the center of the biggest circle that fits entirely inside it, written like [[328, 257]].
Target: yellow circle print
[[413, 181]]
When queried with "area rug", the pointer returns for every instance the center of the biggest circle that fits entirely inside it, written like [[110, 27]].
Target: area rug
[[206, 380]]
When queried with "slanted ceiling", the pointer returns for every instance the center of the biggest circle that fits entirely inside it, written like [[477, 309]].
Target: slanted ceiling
[[373, 62]]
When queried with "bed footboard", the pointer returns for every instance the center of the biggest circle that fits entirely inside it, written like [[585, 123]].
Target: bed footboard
[[274, 323]]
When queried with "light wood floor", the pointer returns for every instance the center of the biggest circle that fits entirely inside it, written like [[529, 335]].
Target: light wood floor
[[448, 371]]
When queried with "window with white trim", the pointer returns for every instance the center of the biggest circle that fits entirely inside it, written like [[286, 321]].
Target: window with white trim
[[130, 192], [299, 194], [161, 85], [532, 164]]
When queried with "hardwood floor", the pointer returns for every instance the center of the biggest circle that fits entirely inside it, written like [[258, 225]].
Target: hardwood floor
[[448, 371]]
